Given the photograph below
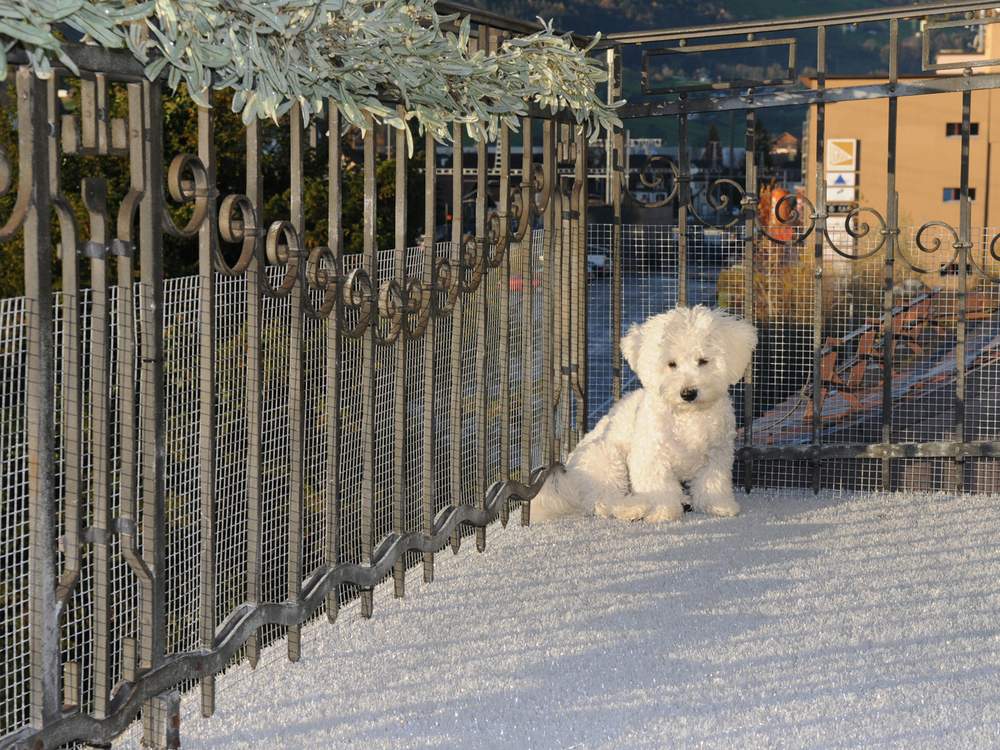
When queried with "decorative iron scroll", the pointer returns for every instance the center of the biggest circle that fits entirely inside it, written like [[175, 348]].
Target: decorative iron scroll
[[857, 230], [20, 210], [393, 308], [929, 248], [787, 214], [719, 201], [653, 177]]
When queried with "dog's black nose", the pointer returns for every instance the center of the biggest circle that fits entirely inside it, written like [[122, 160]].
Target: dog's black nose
[[689, 394]]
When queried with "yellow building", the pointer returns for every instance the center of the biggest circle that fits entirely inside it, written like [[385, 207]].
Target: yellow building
[[928, 154]]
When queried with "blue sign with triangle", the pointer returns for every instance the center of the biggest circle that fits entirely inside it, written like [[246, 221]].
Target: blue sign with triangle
[[840, 180]]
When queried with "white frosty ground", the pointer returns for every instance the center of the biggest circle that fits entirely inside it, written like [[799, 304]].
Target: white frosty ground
[[851, 621]]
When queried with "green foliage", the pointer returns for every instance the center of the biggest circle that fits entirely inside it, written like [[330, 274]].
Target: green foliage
[[353, 53]]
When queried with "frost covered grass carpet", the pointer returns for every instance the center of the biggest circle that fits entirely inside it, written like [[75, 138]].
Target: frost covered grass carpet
[[837, 622]]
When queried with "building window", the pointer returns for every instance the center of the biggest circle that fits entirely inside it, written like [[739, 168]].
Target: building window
[[955, 194], [955, 128]]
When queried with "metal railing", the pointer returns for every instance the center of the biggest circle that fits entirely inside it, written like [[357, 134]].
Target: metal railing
[[196, 466], [862, 241]]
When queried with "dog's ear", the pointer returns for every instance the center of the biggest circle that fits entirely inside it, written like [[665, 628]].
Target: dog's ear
[[737, 338], [632, 345]]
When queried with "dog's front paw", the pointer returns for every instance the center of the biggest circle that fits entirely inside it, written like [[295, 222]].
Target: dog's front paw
[[723, 507], [630, 512], [665, 512]]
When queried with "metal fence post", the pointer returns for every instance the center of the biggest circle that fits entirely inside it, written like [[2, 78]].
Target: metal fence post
[[892, 237], [750, 237], [153, 438], [335, 239], [430, 346], [399, 472], [819, 245], [370, 264], [485, 42], [963, 246], [296, 377], [616, 179], [207, 237], [255, 386], [459, 270], [44, 612]]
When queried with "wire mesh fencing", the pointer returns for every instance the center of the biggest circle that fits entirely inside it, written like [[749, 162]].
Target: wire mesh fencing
[[183, 538], [852, 325], [196, 465]]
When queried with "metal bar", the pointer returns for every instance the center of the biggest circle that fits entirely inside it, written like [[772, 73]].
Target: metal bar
[[400, 479], [125, 324], [43, 612], [153, 434], [941, 84], [964, 245], [877, 451], [616, 187], [580, 257], [255, 385], [95, 200], [486, 40], [892, 237], [800, 22], [296, 378], [504, 384], [683, 199], [457, 322], [207, 237], [370, 263], [817, 389], [335, 239], [71, 386], [564, 287], [498, 21], [430, 345], [737, 83], [967, 64], [551, 270], [103, 141], [750, 238], [527, 271]]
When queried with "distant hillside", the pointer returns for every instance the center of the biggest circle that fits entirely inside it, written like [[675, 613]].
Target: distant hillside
[[589, 16], [851, 50]]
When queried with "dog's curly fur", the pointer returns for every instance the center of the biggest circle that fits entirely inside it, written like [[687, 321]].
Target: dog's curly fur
[[678, 428]]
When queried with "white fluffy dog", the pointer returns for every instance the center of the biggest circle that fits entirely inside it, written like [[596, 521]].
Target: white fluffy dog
[[679, 427]]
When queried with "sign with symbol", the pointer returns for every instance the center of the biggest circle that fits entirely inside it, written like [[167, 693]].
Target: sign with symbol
[[841, 179], [840, 195], [842, 154]]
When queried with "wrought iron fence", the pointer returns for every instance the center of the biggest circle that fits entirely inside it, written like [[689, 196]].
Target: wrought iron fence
[[193, 467], [878, 335]]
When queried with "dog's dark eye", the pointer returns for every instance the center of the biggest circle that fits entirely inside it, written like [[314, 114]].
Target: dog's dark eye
[[702, 362], [671, 365]]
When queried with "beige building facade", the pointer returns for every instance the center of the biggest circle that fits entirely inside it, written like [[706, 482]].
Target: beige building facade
[[928, 154]]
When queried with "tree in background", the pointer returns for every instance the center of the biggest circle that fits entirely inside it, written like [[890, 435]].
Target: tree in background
[[180, 136]]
